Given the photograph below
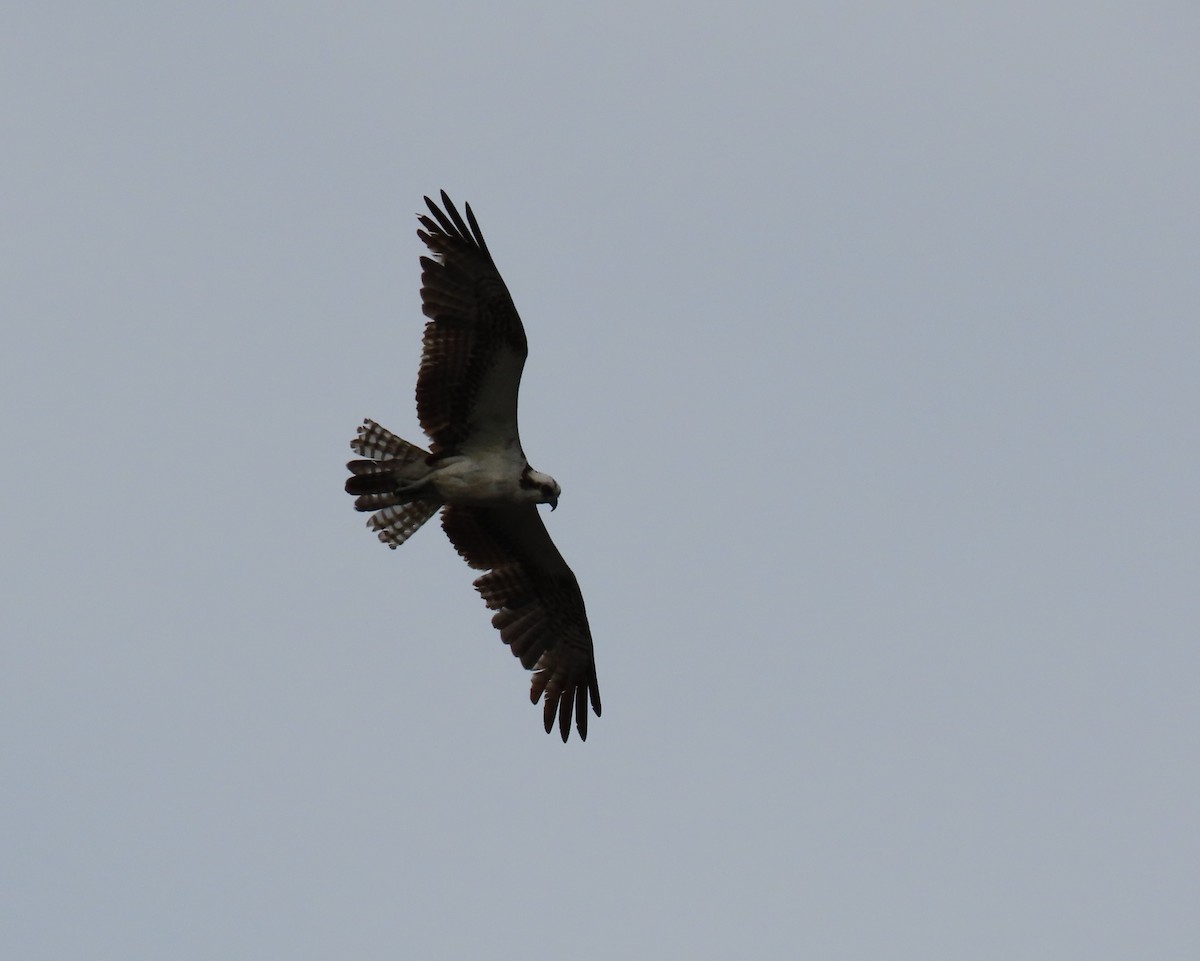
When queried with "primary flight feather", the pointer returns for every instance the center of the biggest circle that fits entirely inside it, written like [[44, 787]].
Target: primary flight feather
[[475, 471]]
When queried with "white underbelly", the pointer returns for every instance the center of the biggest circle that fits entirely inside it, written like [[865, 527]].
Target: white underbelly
[[463, 480]]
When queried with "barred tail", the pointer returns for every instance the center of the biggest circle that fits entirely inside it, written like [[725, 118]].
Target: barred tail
[[396, 524], [379, 443], [389, 482]]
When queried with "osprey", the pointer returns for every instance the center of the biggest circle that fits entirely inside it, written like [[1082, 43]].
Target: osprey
[[475, 471]]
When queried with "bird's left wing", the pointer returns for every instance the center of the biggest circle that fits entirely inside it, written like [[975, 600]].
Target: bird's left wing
[[475, 345], [539, 607]]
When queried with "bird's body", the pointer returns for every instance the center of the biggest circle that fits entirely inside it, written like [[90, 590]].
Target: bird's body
[[476, 471], [490, 479]]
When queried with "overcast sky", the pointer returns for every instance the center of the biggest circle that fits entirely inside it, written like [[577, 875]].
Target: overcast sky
[[863, 343]]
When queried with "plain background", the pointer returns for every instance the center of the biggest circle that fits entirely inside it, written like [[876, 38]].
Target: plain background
[[864, 346]]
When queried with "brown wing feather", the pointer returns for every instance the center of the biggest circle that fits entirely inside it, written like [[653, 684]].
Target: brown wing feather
[[475, 345], [538, 604]]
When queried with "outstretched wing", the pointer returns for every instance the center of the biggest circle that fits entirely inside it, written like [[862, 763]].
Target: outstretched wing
[[539, 608], [475, 344]]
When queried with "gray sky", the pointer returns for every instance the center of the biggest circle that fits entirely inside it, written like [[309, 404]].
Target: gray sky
[[864, 345]]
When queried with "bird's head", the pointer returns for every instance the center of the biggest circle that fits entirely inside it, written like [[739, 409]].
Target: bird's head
[[543, 488]]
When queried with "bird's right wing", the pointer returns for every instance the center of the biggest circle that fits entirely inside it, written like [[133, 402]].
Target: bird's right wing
[[539, 607]]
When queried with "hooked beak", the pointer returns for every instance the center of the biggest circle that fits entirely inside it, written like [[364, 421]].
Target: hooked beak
[[553, 504]]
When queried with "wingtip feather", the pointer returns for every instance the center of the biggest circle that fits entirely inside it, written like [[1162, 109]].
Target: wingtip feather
[[564, 715]]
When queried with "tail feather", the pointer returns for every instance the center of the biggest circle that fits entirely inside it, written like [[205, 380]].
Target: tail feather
[[373, 500], [389, 481], [397, 523], [374, 483], [380, 444]]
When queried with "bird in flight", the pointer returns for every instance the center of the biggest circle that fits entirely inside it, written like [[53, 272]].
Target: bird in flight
[[475, 471]]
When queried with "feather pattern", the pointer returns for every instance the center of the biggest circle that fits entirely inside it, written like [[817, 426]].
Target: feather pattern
[[398, 523], [474, 346], [379, 443], [389, 482], [539, 608]]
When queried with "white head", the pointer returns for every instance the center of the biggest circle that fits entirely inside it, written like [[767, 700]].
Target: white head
[[540, 488]]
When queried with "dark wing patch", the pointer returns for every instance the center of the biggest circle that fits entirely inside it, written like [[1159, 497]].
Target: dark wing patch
[[538, 604], [475, 347]]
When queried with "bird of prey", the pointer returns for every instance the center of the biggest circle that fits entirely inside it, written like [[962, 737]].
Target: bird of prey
[[475, 471]]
